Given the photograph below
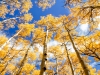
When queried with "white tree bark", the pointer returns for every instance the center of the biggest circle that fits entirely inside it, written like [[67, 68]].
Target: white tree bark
[[10, 39]]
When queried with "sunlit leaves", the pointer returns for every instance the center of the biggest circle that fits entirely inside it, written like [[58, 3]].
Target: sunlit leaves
[[27, 17], [27, 4], [11, 67], [2, 54], [26, 29], [39, 38], [3, 39], [27, 68], [32, 56], [1, 67], [50, 21], [36, 72], [45, 3], [3, 10]]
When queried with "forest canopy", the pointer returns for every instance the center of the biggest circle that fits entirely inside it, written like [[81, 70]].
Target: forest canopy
[[52, 45]]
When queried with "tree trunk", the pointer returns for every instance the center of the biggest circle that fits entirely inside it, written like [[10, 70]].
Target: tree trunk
[[78, 55], [10, 39], [23, 61], [44, 58], [70, 64]]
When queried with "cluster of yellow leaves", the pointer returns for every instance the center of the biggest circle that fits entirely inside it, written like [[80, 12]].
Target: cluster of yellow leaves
[[78, 68], [26, 29], [27, 4], [3, 39], [61, 36], [49, 72], [45, 3], [36, 72], [27, 17], [2, 53], [32, 56], [2, 67], [39, 35], [3, 10], [92, 71], [74, 58], [11, 67], [5, 49], [57, 52], [27, 68], [49, 21]]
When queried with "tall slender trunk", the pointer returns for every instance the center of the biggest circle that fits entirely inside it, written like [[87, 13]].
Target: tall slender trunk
[[23, 61], [44, 58], [70, 64], [77, 53], [22, 64], [10, 39]]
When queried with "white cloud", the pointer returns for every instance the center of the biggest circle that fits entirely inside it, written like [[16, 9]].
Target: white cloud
[[84, 27], [40, 47], [53, 43], [70, 47], [94, 64]]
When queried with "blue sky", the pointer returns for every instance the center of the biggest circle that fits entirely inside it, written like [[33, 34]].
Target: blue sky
[[56, 10]]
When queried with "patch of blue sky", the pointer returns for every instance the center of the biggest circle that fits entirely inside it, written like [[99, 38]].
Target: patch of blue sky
[[94, 64], [56, 10]]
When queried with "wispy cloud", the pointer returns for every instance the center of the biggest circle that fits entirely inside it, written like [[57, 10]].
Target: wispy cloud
[[94, 64], [53, 43], [84, 27]]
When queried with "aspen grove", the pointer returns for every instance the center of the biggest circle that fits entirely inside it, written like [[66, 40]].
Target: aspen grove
[[27, 50]]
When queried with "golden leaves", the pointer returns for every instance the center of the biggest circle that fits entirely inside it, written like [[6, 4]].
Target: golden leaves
[[3, 39], [26, 6], [27, 68], [26, 29], [39, 35], [49, 21], [27, 17], [11, 67], [36, 72], [3, 54], [45, 3], [32, 56], [1, 66], [3, 10]]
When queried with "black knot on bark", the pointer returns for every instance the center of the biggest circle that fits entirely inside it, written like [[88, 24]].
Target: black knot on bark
[[44, 68], [45, 59], [45, 54]]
